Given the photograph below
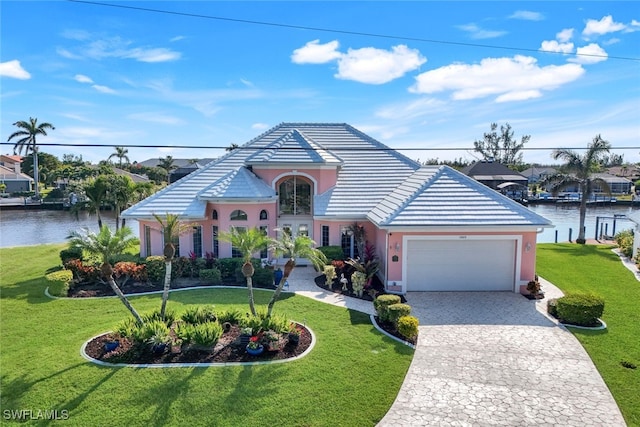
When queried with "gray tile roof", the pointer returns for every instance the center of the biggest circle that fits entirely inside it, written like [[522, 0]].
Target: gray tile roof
[[238, 184], [373, 181], [443, 196]]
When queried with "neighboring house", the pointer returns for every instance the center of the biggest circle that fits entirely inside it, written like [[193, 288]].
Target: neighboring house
[[11, 175], [494, 175], [433, 227], [183, 167], [631, 172], [617, 184], [537, 174]]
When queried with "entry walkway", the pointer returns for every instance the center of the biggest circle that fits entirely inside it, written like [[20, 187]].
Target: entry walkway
[[489, 358]]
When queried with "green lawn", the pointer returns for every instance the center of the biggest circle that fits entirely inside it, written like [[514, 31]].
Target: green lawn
[[584, 268], [351, 377]]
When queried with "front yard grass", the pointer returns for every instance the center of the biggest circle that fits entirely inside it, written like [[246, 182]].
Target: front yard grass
[[591, 268], [350, 378]]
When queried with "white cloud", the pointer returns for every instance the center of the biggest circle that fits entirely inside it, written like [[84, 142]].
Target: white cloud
[[414, 109], [114, 47], [565, 35], [247, 83], [74, 34], [527, 15], [508, 79], [81, 78], [554, 46], [603, 26], [177, 38], [14, 70], [477, 33], [590, 54], [378, 66], [152, 55], [103, 89], [156, 118], [315, 53], [260, 126]]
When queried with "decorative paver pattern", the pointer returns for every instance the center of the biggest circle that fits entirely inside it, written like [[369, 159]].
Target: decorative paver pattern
[[489, 358]]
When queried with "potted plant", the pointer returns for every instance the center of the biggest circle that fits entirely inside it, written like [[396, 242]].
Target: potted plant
[[245, 335], [533, 287], [158, 343], [255, 346], [271, 341]]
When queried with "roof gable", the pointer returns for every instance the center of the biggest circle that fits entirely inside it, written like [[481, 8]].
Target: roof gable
[[294, 147], [239, 183], [443, 196], [488, 170]]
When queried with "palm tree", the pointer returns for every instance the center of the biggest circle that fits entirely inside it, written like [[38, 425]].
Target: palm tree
[[96, 192], [292, 248], [27, 140], [579, 170], [172, 227], [121, 153], [105, 245], [121, 192], [248, 242]]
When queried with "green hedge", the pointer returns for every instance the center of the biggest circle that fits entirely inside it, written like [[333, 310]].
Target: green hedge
[[70, 253], [396, 311], [155, 269], [59, 282], [580, 309], [381, 303], [332, 253], [210, 276], [408, 326]]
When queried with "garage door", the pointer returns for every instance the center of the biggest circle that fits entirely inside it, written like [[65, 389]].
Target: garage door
[[460, 265]]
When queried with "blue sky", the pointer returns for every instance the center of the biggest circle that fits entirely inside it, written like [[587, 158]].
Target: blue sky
[[419, 75]]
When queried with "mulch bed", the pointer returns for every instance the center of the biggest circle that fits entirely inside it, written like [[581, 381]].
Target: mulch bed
[[228, 349]]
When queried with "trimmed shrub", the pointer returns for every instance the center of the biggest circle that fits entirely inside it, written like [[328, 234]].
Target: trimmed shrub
[[83, 272], [125, 271], [381, 303], [114, 259], [199, 314], [332, 252], [408, 326], [228, 267], [211, 276], [624, 239], [552, 307], [580, 309], [396, 311], [67, 255], [180, 267], [263, 277], [59, 282], [155, 269]]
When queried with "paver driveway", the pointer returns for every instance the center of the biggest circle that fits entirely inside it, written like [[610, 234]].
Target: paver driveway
[[491, 358]]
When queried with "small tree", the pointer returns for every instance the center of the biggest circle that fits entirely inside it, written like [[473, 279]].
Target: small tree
[[502, 148], [292, 248], [248, 242], [105, 245], [172, 228]]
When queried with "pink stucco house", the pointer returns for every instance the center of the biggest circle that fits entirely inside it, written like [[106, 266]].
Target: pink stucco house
[[434, 228]]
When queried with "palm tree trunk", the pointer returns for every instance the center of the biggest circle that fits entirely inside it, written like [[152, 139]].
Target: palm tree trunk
[[36, 175], [252, 306], [167, 285], [288, 268], [583, 213], [123, 298]]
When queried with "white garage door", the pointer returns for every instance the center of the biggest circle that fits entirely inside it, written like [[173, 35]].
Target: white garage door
[[460, 265]]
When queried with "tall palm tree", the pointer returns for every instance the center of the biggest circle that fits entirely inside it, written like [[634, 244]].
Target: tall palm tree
[[248, 242], [27, 140], [121, 193], [172, 227], [105, 245], [578, 170], [292, 248], [96, 191], [121, 153]]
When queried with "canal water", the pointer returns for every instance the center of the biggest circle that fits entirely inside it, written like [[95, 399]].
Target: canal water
[[32, 227]]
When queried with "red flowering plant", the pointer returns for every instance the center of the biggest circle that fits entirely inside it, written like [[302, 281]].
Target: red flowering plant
[[255, 341]]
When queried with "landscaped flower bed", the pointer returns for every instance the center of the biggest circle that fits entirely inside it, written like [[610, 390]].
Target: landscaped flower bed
[[228, 349]]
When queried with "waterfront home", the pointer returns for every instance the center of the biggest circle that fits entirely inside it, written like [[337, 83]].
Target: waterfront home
[[12, 176], [433, 227]]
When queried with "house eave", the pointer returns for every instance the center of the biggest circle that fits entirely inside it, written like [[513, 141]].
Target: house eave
[[463, 228]]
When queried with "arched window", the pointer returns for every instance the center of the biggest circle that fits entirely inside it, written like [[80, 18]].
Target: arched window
[[238, 215], [264, 215], [295, 196], [214, 215]]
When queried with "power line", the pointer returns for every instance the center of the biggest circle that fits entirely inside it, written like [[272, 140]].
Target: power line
[[354, 33], [333, 149]]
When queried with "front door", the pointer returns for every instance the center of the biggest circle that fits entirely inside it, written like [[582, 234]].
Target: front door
[[298, 226]]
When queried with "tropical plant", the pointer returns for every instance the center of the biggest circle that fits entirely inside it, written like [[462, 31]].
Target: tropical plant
[[96, 193], [172, 228], [120, 153], [293, 248], [26, 139], [247, 242], [166, 163], [579, 171], [120, 194], [105, 245]]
